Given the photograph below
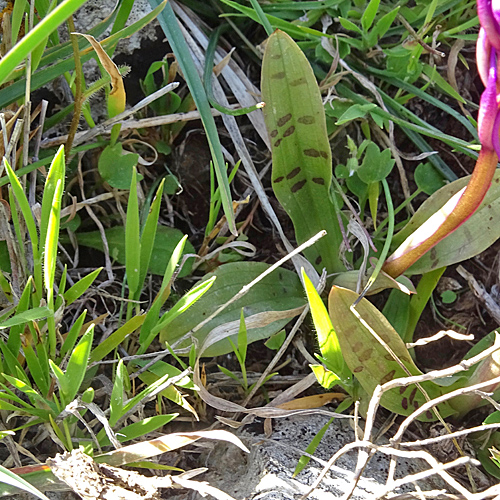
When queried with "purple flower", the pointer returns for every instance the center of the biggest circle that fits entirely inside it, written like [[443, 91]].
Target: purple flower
[[487, 57]]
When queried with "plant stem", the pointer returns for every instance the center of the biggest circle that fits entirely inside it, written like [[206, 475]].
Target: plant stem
[[451, 216]]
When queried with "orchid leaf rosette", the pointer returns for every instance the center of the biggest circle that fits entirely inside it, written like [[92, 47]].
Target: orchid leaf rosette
[[463, 204]]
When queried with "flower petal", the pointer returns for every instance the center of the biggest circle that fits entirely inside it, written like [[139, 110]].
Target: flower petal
[[483, 51], [488, 22], [488, 107]]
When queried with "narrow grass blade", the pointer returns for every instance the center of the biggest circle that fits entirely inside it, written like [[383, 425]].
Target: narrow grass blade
[[148, 235], [172, 30], [8, 477], [50, 23], [132, 240]]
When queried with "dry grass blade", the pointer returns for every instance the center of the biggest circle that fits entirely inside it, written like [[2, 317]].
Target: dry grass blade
[[169, 442]]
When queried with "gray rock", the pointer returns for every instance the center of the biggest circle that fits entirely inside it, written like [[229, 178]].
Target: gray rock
[[266, 473]]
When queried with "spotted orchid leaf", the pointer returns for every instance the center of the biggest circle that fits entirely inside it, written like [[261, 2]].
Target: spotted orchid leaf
[[302, 161], [370, 361]]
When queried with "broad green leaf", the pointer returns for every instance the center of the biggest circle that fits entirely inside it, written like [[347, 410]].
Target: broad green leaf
[[369, 360], [397, 311], [280, 291], [165, 242], [302, 161], [116, 166], [474, 236]]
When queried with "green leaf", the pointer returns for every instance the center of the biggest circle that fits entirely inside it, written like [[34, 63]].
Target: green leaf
[[369, 14], [276, 341], [369, 360], [132, 240], [33, 314], [116, 400], [474, 236], [149, 234], [348, 25], [115, 339], [152, 316], [327, 338], [80, 287], [73, 334], [165, 241], [376, 165], [116, 166], [325, 377], [354, 112], [77, 365], [279, 291], [36, 36], [302, 162], [8, 477], [171, 28], [428, 178], [139, 429]]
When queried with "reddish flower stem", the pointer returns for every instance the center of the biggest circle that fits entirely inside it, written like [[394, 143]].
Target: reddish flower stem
[[450, 217]]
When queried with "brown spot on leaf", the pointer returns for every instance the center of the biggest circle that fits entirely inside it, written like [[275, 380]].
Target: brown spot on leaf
[[404, 403], [297, 186], [313, 153], [281, 121], [298, 81], [357, 346], [428, 415], [388, 377], [277, 143], [274, 133], [389, 358], [319, 180], [416, 404], [293, 173], [402, 389], [289, 131], [413, 394], [279, 179], [278, 76], [365, 356], [324, 154], [433, 253], [358, 369], [306, 119], [318, 260]]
